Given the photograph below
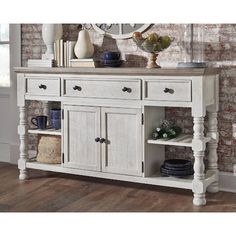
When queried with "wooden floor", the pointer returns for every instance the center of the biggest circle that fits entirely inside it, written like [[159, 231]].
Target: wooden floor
[[51, 192]]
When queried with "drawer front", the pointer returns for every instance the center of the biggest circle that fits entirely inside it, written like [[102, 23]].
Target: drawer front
[[114, 89], [43, 86], [168, 90]]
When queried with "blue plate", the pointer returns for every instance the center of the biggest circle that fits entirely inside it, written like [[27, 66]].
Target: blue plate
[[177, 164], [176, 173]]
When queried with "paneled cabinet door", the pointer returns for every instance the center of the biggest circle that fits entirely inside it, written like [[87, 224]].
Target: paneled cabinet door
[[81, 128], [122, 149]]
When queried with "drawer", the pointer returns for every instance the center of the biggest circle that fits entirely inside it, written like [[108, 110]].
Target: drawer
[[43, 86], [168, 90], [92, 88]]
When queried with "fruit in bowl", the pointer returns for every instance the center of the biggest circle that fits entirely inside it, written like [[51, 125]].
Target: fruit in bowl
[[153, 44]]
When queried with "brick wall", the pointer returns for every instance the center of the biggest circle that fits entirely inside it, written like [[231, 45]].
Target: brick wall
[[220, 50]]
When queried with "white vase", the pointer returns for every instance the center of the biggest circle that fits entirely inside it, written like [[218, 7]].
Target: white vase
[[50, 33], [83, 47]]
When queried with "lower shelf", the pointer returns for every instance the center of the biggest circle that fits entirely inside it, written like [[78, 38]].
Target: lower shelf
[[157, 179]]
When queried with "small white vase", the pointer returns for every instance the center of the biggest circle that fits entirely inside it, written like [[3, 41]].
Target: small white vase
[[50, 33], [83, 47]]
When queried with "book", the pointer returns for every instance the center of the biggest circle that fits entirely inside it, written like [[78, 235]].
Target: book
[[64, 52], [57, 52], [88, 62], [41, 63], [61, 64], [71, 54]]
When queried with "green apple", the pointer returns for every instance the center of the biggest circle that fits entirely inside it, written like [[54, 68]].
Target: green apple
[[157, 47], [153, 37], [165, 41]]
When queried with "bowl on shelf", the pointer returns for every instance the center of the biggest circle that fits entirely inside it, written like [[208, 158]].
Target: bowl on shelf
[[111, 59], [110, 55], [152, 44]]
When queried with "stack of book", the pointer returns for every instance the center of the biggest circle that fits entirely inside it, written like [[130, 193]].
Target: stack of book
[[41, 63], [63, 52], [89, 62]]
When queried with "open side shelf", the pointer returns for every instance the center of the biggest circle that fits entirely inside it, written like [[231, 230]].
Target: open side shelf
[[46, 131], [183, 140]]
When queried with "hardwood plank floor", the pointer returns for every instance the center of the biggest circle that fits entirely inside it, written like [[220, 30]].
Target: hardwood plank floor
[[52, 192]]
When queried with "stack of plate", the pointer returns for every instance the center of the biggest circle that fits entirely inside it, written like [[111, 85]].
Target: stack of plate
[[177, 168]]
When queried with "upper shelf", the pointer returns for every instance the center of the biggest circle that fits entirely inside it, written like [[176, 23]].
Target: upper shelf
[[184, 140], [119, 71]]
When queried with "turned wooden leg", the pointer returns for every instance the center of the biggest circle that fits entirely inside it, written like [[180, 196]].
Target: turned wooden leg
[[23, 133], [212, 150], [198, 152]]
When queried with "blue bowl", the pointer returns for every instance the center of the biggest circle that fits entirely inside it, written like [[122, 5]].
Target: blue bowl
[[111, 55]]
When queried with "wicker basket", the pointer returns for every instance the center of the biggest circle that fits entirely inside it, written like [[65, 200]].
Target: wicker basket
[[49, 149]]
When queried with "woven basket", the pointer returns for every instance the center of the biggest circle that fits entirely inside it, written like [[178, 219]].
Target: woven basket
[[49, 149]]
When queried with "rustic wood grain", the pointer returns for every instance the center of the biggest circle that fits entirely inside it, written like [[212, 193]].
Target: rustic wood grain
[[50, 192]]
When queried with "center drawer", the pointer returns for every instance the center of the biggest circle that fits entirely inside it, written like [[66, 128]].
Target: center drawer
[[99, 88]]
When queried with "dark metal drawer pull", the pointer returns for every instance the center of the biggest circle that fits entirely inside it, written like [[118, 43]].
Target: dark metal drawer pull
[[76, 87], [168, 90], [42, 86], [125, 89]]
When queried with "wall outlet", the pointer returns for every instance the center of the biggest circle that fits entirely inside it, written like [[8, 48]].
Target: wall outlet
[[234, 130]]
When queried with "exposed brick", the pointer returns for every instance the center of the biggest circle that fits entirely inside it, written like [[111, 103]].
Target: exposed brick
[[219, 46]]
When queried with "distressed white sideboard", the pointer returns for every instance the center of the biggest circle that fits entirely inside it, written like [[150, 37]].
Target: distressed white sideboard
[[108, 115]]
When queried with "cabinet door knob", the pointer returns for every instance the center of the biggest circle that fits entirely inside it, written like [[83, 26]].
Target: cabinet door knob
[[102, 140], [42, 86], [168, 90], [125, 89], [97, 139], [76, 87]]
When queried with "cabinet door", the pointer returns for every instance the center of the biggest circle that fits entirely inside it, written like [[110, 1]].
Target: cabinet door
[[122, 150], [81, 127]]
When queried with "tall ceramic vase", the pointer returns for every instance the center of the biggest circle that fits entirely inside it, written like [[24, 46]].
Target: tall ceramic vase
[[50, 33], [83, 47]]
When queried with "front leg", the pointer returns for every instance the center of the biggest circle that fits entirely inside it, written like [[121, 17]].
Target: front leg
[[23, 133], [198, 146], [212, 150]]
